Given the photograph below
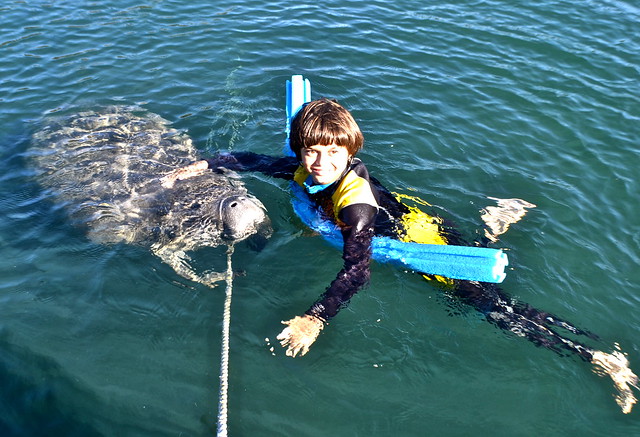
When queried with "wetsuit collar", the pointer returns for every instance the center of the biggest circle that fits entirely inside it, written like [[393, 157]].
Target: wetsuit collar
[[313, 189]]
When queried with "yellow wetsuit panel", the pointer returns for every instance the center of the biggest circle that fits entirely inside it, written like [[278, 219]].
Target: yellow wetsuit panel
[[420, 227], [351, 190]]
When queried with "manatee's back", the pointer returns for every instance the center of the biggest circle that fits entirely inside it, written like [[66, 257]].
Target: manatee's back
[[105, 166]]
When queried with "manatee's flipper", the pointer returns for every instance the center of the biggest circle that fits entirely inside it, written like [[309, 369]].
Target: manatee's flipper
[[498, 218], [179, 261], [616, 366]]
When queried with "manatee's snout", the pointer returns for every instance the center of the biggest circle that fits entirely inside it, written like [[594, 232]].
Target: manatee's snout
[[243, 216]]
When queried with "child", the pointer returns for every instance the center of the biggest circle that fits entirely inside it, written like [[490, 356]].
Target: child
[[325, 139]]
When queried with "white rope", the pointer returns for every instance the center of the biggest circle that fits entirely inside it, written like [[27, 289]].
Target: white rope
[[224, 359]]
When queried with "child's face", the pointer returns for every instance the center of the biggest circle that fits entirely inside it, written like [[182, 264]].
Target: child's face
[[325, 163]]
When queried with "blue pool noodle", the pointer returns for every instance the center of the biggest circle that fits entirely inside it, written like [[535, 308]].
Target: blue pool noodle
[[457, 262], [298, 93]]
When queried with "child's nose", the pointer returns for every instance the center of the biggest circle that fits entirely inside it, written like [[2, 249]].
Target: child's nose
[[321, 159]]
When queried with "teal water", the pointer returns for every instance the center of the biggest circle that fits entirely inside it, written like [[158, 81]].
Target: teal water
[[458, 101]]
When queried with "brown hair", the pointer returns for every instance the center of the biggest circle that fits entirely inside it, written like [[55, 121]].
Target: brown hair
[[324, 122]]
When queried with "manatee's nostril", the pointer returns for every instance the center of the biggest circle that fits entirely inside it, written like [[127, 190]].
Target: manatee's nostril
[[234, 204]]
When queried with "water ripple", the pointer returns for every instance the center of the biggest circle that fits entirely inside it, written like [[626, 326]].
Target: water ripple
[[458, 102]]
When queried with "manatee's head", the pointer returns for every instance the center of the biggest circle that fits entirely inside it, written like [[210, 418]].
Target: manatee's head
[[243, 216]]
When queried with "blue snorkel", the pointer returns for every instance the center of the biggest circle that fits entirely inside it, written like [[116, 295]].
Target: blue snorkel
[[457, 262]]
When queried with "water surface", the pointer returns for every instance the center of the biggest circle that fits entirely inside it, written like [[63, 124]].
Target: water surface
[[458, 102]]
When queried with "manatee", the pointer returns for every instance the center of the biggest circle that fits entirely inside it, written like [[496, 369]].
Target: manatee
[[105, 167]]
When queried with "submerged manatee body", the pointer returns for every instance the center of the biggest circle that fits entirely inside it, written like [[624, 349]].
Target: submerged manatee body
[[106, 167]]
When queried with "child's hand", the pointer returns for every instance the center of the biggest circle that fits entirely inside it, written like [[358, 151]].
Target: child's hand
[[183, 173], [300, 334]]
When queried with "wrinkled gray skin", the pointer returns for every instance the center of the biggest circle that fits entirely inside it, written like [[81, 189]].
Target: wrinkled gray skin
[[106, 167]]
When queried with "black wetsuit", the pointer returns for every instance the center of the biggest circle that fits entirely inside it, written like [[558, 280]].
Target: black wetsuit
[[364, 208]]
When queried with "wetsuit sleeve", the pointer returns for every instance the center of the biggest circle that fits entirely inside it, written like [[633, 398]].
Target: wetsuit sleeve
[[357, 232], [279, 167]]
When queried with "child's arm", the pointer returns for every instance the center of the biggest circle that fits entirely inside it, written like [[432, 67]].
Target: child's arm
[[189, 171], [357, 233], [277, 167], [239, 161]]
